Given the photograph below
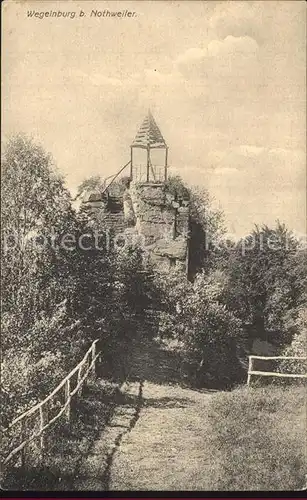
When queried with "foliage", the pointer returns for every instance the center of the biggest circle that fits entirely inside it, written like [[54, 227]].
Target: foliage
[[36, 283], [114, 294], [24, 380], [265, 272], [35, 206], [212, 333], [98, 184], [209, 333], [56, 297], [93, 183], [173, 288], [297, 324], [206, 226]]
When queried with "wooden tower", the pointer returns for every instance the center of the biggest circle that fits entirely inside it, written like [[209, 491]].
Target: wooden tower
[[149, 167]]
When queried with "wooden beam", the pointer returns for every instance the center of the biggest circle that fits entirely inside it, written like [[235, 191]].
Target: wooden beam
[[44, 423], [165, 168], [276, 374], [131, 162], [67, 399], [61, 384], [250, 365], [148, 164], [277, 357]]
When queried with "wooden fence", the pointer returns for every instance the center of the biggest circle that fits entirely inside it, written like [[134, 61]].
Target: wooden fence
[[272, 374], [33, 424]]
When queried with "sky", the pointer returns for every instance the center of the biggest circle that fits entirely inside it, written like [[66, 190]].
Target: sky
[[225, 81]]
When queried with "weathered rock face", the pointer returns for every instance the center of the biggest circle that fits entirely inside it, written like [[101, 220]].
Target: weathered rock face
[[94, 202], [164, 227], [128, 209], [176, 249], [149, 213]]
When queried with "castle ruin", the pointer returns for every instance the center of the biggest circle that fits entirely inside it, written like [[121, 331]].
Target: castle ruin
[[144, 205]]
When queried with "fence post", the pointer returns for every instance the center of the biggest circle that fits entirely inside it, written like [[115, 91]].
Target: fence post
[[93, 360], [42, 434], [79, 392], [23, 438], [67, 399], [250, 364]]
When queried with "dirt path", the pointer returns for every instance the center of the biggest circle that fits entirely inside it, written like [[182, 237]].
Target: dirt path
[[158, 437], [166, 449]]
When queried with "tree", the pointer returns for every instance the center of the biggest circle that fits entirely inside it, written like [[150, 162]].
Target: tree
[[36, 283], [93, 183], [96, 183], [212, 334], [61, 288], [208, 335], [265, 272], [297, 324], [206, 226], [35, 208]]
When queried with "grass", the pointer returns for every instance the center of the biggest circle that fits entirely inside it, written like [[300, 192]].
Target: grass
[[248, 439], [68, 445], [260, 439], [174, 438]]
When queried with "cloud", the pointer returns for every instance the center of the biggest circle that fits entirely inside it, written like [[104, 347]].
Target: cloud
[[232, 62], [237, 19], [101, 80], [190, 56], [247, 150], [254, 185], [225, 81], [232, 46], [270, 162]]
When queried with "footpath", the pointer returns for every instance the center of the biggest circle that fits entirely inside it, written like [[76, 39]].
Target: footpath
[[158, 437]]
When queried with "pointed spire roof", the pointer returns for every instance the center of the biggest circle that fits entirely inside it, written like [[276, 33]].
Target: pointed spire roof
[[149, 135]]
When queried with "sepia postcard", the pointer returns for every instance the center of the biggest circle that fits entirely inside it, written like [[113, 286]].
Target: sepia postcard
[[153, 247]]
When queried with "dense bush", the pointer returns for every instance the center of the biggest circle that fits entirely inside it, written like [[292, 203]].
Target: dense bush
[[297, 323], [56, 299], [212, 334], [25, 380], [209, 334], [35, 281], [267, 278]]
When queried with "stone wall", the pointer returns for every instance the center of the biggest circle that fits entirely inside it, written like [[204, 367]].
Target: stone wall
[[147, 212], [155, 220]]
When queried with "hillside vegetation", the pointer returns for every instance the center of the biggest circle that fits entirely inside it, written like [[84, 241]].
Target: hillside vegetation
[[61, 288]]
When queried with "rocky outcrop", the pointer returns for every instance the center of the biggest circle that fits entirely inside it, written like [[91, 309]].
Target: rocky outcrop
[[163, 225], [149, 212]]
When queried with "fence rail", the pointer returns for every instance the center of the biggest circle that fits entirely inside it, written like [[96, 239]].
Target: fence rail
[[39, 413], [272, 374]]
